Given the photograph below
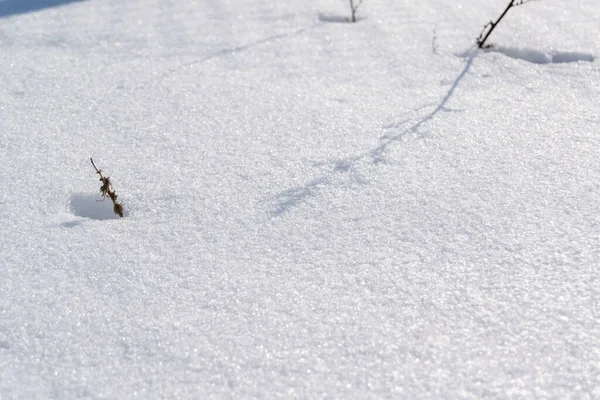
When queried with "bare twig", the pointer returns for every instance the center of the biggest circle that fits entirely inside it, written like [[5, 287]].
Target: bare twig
[[489, 27], [106, 191], [354, 8]]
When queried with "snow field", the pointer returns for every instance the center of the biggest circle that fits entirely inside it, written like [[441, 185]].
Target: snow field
[[316, 209]]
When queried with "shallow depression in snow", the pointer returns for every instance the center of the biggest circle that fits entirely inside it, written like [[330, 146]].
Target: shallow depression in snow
[[543, 57], [91, 206]]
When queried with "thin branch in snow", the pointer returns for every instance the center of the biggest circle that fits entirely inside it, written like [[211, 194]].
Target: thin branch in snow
[[489, 27], [353, 8]]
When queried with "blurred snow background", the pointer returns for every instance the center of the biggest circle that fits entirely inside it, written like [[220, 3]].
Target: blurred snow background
[[316, 209]]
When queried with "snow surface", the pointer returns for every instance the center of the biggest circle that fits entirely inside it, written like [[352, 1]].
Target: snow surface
[[316, 209]]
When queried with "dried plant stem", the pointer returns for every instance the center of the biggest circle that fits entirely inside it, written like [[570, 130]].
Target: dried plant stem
[[489, 27], [107, 191], [354, 4]]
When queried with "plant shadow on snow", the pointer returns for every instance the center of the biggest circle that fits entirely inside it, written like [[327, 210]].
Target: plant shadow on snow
[[541, 57], [291, 198], [72, 224], [90, 206], [294, 196], [224, 52], [13, 7], [338, 19]]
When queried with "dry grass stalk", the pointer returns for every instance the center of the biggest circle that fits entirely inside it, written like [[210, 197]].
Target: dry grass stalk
[[106, 190]]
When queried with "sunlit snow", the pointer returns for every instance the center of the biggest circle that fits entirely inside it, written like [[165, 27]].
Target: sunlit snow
[[313, 208]]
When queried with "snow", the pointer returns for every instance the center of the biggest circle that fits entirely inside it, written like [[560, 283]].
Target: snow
[[314, 209], [543, 57]]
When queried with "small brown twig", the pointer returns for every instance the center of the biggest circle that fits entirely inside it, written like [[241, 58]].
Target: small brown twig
[[106, 191]]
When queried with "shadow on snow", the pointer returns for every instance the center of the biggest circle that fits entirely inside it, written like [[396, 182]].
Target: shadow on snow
[[337, 18], [542, 57], [291, 198], [221, 53], [294, 196], [13, 7]]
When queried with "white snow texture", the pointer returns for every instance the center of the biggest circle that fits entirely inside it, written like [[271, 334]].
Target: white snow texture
[[314, 208]]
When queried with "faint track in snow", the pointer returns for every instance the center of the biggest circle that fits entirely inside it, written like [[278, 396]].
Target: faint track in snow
[[222, 53], [293, 197]]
